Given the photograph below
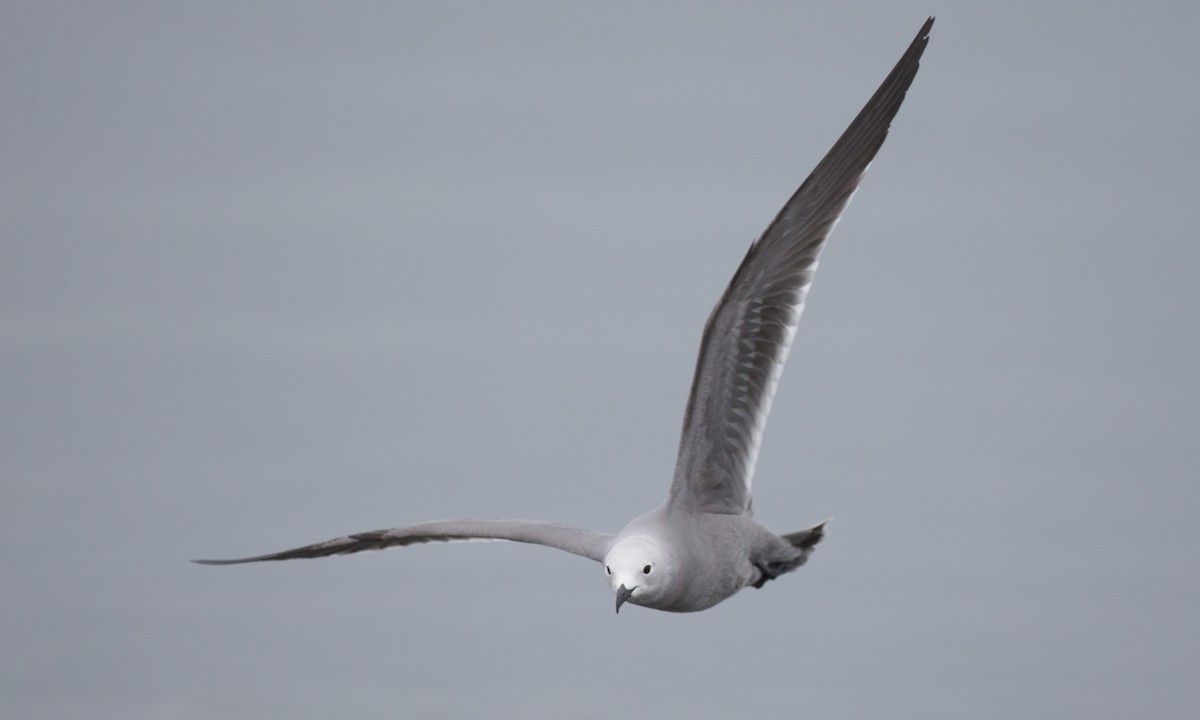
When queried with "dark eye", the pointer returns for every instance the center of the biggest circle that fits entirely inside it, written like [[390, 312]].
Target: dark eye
[[646, 570], [607, 570]]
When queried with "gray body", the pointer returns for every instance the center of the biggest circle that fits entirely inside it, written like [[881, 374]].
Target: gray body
[[702, 544], [711, 556]]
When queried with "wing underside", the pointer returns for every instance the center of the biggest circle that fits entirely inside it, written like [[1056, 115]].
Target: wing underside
[[749, 332], [586, 543]]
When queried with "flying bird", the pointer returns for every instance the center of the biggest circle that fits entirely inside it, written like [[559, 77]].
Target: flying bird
[[702, 545]]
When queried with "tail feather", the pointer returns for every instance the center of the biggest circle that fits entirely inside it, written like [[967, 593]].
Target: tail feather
[[806, 541]]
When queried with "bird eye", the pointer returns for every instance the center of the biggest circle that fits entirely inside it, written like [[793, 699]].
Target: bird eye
[[607, 570], [646, 570]]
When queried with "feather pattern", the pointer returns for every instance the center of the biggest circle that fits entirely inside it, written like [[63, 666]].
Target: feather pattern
[[589, 544], [749, 332]]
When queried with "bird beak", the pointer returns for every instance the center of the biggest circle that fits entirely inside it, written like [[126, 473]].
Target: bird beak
[[623, 594]]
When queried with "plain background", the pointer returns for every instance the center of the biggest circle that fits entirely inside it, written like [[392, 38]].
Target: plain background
[[275, 272]]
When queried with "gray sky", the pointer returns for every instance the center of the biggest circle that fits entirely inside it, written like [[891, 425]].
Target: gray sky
[[272, 273]]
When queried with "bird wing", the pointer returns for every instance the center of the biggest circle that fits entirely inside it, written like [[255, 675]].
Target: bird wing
[[589, 544], [748, 333]]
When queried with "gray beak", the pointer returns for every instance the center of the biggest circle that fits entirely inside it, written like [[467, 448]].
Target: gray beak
[[623, 594]]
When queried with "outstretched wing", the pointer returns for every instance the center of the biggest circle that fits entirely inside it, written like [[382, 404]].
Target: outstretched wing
[[589, 544], [747, 336]]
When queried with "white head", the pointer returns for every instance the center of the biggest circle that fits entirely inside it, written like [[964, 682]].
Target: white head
[[637, 567]]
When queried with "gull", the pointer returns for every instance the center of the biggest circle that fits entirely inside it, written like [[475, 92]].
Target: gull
[[702, 545]]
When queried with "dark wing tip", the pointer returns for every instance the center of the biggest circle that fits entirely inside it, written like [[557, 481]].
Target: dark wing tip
[[337, 546], [238, 561], [373, 540]]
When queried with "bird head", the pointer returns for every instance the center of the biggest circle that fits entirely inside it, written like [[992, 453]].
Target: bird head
[[637, 570]]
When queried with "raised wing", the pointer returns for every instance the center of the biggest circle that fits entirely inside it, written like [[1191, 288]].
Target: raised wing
[[589, 544], [747, 336]]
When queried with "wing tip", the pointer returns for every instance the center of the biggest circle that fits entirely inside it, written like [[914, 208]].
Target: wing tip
[[238, 561]]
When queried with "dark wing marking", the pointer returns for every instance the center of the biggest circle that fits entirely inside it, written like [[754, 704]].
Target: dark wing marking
[[589, 544], [749, 332]]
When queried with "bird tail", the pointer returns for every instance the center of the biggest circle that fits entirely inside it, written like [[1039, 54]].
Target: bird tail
[[806, 540]]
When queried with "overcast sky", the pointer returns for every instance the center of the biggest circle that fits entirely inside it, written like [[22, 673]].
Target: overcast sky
[[276, 272]]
